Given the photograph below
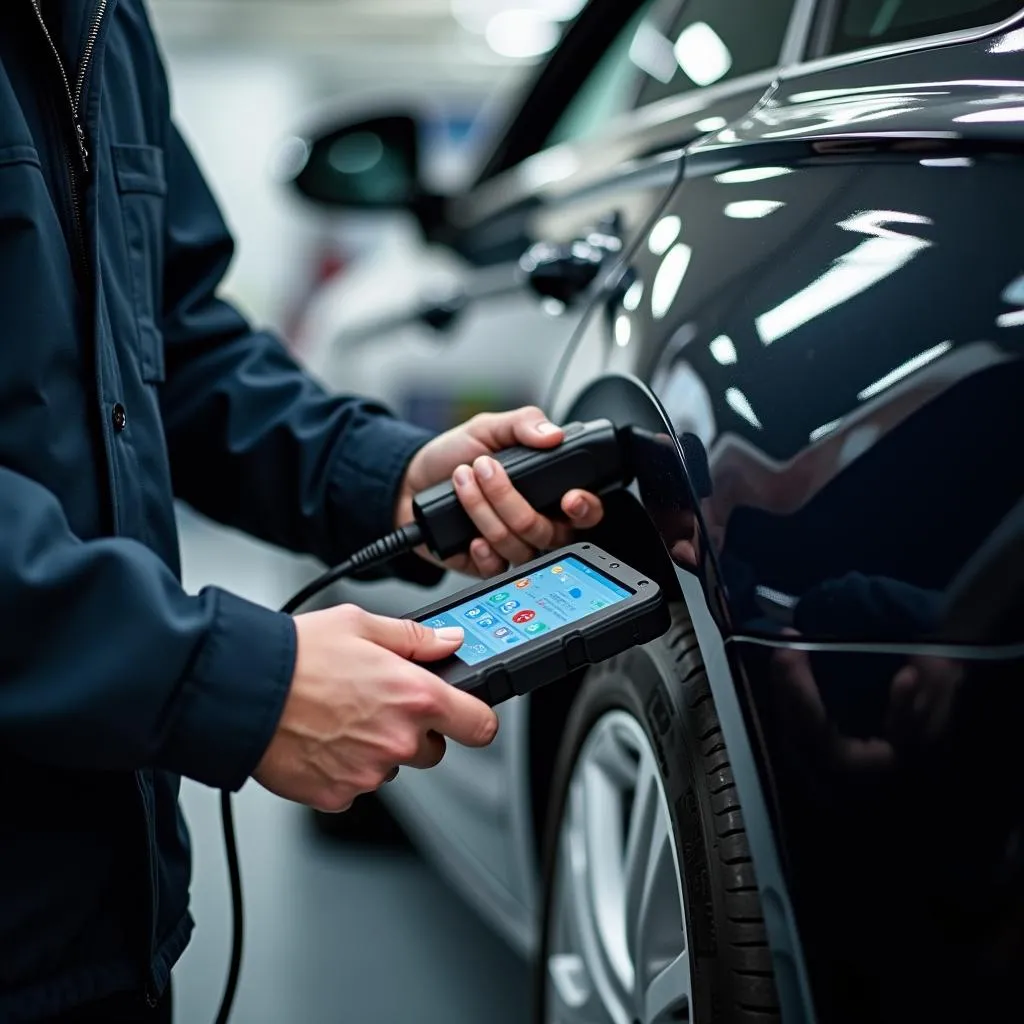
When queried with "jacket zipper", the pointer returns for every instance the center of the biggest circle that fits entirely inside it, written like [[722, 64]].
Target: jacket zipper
[[76, 170]]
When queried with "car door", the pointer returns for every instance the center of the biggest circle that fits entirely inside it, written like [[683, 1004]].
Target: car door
[[604, 166], [832, 302]]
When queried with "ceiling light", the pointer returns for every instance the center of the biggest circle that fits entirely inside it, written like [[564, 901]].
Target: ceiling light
[[909, 367], [752, 209], [652, 53], [711, 124], [1014, 319], [998, 115], [724, 351], [632, 298], [824, 430], [702, 54], [663, 234], [850, 274], [740, 404], [669, 279], [748, 174], [623, 331], [521, 33]]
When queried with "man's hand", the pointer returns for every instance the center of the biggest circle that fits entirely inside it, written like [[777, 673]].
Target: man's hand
[[511, 531], [359, 708]]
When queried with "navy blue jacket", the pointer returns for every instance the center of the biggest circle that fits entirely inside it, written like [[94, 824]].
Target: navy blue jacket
[[124, 381]]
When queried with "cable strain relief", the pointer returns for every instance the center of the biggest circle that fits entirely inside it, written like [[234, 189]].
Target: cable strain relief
[[394, 544]]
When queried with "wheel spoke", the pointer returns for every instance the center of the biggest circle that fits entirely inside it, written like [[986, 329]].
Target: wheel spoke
[[638, 843], [669, 991], [649, 895], [572, 998], [589, 905]]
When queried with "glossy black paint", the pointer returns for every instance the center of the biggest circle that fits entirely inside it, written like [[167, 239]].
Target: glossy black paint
[[833, 302]]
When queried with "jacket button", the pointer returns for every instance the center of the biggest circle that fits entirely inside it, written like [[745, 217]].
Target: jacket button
[[119, 417]]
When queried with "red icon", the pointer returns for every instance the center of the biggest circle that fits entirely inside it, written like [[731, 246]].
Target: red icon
[[521, 617], [523, 584]]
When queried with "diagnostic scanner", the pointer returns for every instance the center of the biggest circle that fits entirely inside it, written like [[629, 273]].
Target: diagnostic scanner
[[591, 458]]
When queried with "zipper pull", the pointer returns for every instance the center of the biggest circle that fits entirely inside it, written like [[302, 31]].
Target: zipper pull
[[83, 151]]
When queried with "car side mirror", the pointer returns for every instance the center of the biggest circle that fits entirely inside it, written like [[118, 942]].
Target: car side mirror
[[366, 165]]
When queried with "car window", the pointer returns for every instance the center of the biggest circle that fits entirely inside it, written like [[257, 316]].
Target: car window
[[713, 41], [615, 82], [861, 23]]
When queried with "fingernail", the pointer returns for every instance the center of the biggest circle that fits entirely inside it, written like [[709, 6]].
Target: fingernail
[[578, 508], [450, 634], [547, 429], [463, 475], [485, 468]]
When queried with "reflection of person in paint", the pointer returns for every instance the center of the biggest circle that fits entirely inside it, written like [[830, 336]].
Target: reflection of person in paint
[[918, 695]]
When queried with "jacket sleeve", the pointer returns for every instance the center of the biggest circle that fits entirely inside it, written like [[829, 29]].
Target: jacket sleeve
[[254, 441], [107, 664]]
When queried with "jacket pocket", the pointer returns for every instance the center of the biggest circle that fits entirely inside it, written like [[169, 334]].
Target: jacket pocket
[[142, 188]]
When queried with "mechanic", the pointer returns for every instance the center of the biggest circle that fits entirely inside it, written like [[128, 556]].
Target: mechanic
[[125, 381]]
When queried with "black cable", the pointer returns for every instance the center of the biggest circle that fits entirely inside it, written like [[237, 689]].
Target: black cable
[[398, 543], [394, 544], [237, 909]]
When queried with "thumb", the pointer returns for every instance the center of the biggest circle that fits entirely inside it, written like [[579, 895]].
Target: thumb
[[412, 640], [528, 426]]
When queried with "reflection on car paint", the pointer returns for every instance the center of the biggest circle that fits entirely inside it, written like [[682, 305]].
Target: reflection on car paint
[[849, 371]]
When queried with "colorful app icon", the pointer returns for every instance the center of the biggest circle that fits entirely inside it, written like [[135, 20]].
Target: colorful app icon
[[536, 627], [498, 598], [474, 613], [557, 570], [520, 617], [502, 631], [509, 606], [576, 593], [523, 584], [485, 621]]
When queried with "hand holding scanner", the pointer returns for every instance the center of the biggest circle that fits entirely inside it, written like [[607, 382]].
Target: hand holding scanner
[[536, 623], [590, 458]]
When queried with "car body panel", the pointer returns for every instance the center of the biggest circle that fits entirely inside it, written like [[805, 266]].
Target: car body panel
[[839, 317]]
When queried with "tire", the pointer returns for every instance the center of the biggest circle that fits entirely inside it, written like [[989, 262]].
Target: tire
[[704, 931]]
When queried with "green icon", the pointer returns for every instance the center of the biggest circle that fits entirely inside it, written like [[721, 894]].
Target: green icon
[[536, 627], [599, 604], [498, 598]]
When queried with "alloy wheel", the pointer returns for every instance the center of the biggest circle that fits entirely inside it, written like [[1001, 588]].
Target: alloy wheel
[[618, 950]]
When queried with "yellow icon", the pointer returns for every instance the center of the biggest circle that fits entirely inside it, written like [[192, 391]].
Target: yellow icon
[[558, 570]]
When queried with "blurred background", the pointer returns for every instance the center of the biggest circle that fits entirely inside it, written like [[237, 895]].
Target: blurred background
[[356, 933]]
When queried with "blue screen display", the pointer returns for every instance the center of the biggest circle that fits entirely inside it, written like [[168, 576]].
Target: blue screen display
[[528, 608]]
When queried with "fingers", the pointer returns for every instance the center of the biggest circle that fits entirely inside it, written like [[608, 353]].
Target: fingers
[[501, 536], [431, 752], [584, 510], [528, 426], [463, 718], [486, 562], [406, 638]]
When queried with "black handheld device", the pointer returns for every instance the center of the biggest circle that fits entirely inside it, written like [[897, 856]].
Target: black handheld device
[[536, 623], [591, 457]]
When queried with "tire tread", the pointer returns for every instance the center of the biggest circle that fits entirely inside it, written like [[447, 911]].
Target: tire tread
[[753, 989]]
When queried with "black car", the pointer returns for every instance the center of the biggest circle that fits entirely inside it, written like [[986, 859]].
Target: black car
[[798, 272]]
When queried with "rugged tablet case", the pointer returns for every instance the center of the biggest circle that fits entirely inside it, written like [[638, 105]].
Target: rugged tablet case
[[601, 635]]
